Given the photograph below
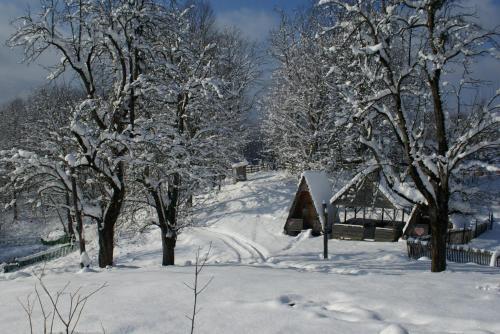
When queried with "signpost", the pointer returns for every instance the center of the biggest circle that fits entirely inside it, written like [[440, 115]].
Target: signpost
[[325, 233]]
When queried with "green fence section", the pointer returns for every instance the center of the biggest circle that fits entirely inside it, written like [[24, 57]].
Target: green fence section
[[65, 239], [50, 254]]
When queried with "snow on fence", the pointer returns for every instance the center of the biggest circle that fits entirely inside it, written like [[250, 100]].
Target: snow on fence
[[50, 254], [454, 253]]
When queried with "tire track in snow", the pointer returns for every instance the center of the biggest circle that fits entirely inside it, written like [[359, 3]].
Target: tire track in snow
[[238, 254], [244, 248]]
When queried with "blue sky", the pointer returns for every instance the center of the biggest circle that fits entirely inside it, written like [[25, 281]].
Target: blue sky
[[254, 18], [221, 5]]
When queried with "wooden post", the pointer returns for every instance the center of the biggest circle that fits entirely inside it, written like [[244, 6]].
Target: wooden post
[[382, 214], [345, 214], [325, 234]]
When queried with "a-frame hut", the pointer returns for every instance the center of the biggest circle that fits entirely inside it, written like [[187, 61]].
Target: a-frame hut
[[369, 210], [306, 211]]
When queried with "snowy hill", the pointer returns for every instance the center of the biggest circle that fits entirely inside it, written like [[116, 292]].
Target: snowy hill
[[267, 282]]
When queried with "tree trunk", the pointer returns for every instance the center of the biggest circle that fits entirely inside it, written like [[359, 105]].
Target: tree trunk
[[81, 236], [170, 233], [439, 227], [71, 230], [77, 214], [107, 228], [106, 245], [107, 234], [168, 246], [112, 213], [15, 207]]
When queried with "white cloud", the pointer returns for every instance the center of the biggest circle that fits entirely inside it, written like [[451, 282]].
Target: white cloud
[[253, 24]]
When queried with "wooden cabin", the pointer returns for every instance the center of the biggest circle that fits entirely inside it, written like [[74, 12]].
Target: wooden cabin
[[240, 171], [369, 210], [418, 224], [306, 211]]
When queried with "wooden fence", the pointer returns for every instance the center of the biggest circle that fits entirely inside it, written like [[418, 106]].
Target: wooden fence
[[360, 232], [454, 253], [465, 235], [47, 255], [346, 231], [257, 168]]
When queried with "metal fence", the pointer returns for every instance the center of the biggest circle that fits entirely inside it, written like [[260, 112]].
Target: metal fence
[[50, 254]]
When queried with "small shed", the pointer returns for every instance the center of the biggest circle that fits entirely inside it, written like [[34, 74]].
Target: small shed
[[306, 211], [418, 224], [240, 171], [368, 209]]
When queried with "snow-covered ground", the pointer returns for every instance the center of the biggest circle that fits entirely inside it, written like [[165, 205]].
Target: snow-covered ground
[[267, 282]]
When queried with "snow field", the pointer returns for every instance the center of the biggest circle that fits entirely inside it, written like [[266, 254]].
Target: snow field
[[267, 282]]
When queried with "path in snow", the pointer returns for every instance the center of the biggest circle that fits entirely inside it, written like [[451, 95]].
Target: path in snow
[[246, 250]]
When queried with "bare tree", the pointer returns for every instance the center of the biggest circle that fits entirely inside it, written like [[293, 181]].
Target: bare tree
[[165, 98], [199, 265], [97, 40], [304, 123], [402, 53], [50, 305], [197, 102]]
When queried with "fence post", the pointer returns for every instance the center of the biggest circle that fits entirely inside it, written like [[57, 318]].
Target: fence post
[[491, 220], [325, 234]]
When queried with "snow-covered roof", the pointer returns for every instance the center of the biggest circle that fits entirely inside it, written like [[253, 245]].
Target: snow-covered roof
[[243, 163], [320, 188], [392, 196], [368, 189], [354, 181]]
